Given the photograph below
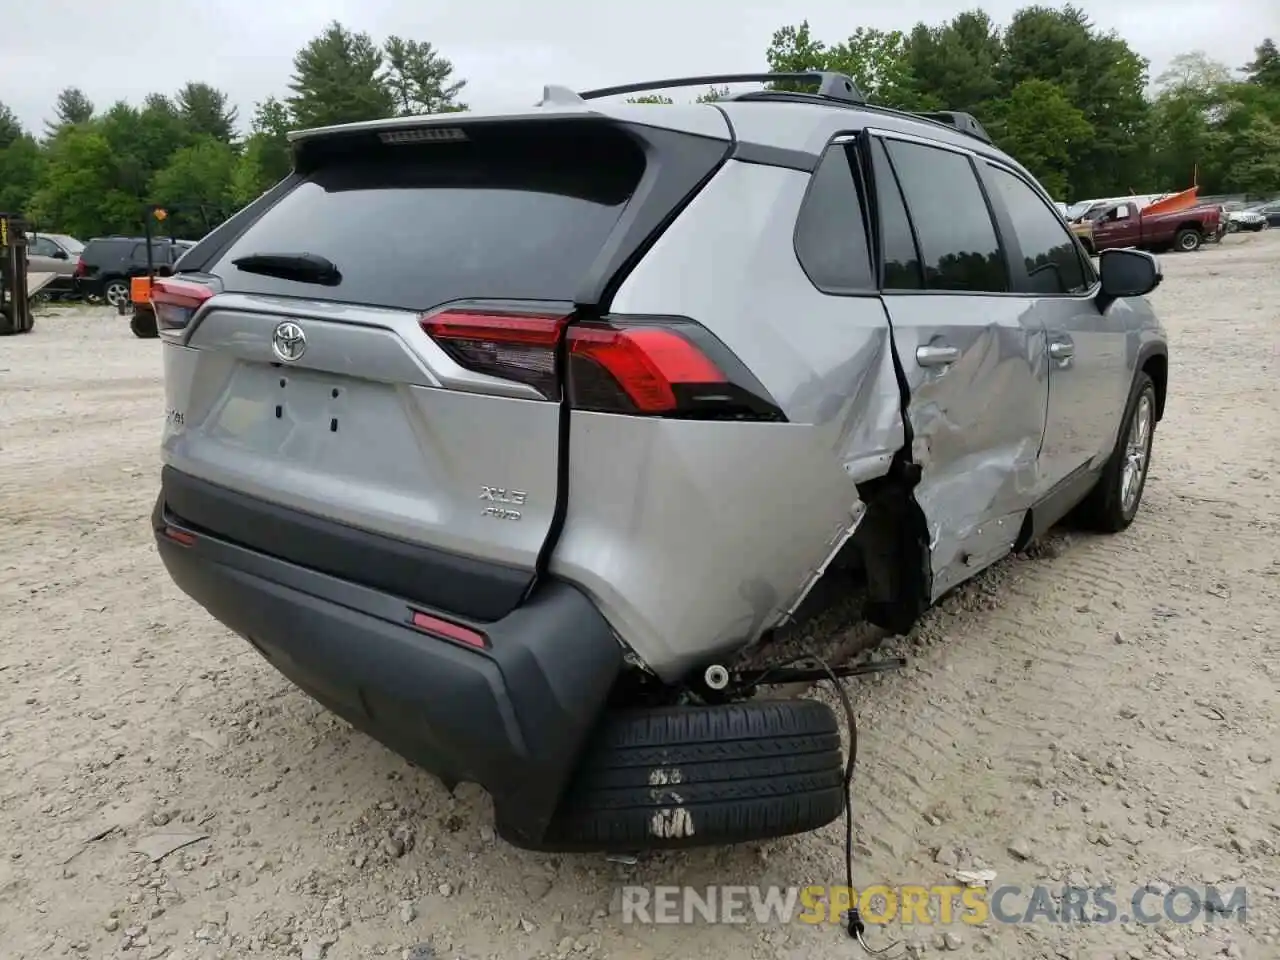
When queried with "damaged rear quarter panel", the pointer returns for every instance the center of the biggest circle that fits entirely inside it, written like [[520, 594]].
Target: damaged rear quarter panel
[[696, 537]]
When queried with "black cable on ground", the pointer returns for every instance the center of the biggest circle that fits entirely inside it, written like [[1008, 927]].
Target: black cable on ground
[[854, 924]]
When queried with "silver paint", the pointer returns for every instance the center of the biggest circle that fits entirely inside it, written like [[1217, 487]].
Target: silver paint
[[417, 436], [693, 537]]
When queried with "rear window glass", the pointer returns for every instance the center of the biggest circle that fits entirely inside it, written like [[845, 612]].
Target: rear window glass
[[519, 216]]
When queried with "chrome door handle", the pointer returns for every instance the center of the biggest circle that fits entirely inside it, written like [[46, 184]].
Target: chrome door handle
[[936, 356], [1061, 351]]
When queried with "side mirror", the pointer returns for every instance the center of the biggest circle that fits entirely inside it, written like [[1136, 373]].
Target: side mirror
[[60, 254], [1128, 273]]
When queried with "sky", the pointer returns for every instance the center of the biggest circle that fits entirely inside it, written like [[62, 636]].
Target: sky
[[505, 49]]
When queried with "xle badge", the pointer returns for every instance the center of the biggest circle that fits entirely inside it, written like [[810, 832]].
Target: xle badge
[[500, 495]]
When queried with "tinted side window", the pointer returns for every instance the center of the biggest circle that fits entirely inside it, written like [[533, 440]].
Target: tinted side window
[[1048, 249], [957, 239], [898, 246], [831, 241], [42, 247]]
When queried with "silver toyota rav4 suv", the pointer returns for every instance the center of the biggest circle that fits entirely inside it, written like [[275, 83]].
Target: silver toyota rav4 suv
[[506, 436]]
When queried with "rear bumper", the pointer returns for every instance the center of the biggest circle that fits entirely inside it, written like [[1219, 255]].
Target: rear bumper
[[512, 718], [63, 284]]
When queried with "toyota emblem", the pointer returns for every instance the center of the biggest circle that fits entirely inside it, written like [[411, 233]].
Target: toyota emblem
[[289, 342]]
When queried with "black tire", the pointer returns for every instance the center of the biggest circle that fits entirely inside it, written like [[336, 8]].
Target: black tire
[[1187, 240], [7, 326], [143, 326], [1104, 509], [121, 292], [694, 776]]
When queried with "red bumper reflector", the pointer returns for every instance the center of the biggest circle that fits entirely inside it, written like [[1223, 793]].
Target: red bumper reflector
[[180, 536], [446, 630]]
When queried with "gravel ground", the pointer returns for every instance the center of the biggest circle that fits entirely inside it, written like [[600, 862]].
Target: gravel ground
[[1100, 711]]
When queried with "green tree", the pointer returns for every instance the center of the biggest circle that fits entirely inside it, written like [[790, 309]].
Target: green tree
[[421, 79], [1040, 126], [206, 112], [72, 107], [10, 127], [712, 95], [79, 192], [338, 78], [1193, 71], [650, 98], [955, 64], [1100, 75], [876, 60], [1246, 139], [266, 159], [793, 49], [198, 177], [1181, 125], [21, 164], [1265, 68]]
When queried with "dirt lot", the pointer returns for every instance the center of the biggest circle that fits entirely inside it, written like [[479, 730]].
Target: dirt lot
[[1102, 711]]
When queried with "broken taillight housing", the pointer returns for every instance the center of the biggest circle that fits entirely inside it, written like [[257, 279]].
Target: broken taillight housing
[[651, 366], [175, 302]]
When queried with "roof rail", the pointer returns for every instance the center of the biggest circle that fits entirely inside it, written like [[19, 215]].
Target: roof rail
[[964, 122], [832, 86]]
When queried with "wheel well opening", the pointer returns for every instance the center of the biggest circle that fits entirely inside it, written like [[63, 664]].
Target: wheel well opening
[[1195, 225], [1157, 368], [892, 546]]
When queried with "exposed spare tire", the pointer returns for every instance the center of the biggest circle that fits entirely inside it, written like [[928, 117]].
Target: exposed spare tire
[[692, 776]]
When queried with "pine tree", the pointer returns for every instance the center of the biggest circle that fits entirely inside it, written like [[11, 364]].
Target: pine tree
[[420, 79], [205, 110], [72, 107], [338, 79]]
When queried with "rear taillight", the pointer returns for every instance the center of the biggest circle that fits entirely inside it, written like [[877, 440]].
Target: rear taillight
[[81, 268], [176, 301], [639, 369], [668, 366], [513, 346]]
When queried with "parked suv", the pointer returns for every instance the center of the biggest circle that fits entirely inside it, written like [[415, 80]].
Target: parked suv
[[58, 254], [107, 263], [504, 436]]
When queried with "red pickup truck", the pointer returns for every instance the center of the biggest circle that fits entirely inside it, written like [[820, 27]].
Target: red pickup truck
[[1124, 225]]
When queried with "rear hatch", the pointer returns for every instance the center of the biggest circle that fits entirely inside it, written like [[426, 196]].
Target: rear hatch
[[366, 378]]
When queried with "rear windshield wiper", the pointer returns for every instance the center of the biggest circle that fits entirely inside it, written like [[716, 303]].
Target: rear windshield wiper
[[302, 267]]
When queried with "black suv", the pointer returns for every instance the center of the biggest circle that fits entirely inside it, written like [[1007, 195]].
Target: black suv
[[107, 264]]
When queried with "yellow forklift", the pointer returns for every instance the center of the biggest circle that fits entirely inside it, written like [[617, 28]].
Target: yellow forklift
[[15, 292]]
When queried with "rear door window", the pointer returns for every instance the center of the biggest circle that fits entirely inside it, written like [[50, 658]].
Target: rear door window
[[415, 226], [897, 243], [957, 239]]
